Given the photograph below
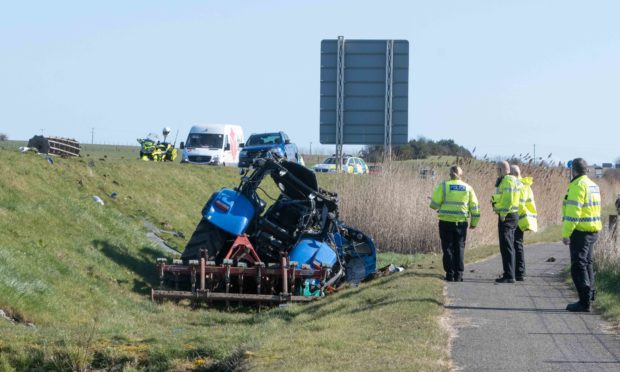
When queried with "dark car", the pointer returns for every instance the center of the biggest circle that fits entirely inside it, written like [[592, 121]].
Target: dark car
[[258, 144]]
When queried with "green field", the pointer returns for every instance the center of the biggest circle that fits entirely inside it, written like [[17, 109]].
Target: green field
[[76, 276]]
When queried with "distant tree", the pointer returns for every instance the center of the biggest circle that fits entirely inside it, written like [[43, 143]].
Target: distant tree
[[4, 137], [420, 148]]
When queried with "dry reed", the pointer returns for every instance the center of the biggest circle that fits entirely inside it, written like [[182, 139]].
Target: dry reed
[[607, 252], [393, 206]]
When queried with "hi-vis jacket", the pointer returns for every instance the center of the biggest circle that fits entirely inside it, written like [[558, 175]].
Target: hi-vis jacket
[[507, 196], [455, 201], [527, 207], [582, 207]]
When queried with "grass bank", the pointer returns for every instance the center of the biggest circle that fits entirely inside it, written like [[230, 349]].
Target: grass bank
[[75, 279]]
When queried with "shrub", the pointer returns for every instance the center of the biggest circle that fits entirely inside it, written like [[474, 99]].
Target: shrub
[[4, 137]]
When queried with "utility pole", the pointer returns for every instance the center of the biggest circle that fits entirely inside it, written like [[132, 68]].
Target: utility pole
[[310, 148], [92, 136]]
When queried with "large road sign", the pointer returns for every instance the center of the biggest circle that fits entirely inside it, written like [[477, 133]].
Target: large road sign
[[364, 92]]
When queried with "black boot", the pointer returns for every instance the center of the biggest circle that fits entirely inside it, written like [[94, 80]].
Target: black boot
[[583, 305], [458, 277], [592, 295], [449, 277]]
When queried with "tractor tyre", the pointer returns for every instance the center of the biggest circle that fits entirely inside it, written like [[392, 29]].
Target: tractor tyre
[[40, 143], [206, 237]]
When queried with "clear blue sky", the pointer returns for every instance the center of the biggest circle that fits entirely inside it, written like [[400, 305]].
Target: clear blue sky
[[495, 75]]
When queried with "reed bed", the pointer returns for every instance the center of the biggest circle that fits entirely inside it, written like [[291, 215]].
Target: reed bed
[[393, 206], [607, 253]]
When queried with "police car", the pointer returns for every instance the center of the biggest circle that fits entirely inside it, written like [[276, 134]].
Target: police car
[[350, 164]]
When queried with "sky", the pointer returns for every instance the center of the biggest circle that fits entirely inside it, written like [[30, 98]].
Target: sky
[[497, 76]]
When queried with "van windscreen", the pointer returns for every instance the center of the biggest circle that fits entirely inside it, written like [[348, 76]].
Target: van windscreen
[[209, 140]]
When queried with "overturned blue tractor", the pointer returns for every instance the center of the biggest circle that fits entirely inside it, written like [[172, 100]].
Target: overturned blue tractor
[[296, 250]]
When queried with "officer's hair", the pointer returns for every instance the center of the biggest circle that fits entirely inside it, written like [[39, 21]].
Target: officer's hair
[[515, 170], [456, 172], [503, 165], [580, 166]]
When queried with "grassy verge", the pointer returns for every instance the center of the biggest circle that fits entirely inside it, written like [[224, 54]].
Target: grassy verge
[[607, 270], [75, 279]]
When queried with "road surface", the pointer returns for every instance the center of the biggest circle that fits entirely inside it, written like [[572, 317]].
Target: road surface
[[523, 326]]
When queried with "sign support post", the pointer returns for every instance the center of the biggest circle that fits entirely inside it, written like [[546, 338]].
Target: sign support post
[[340, 104], [389, 67]]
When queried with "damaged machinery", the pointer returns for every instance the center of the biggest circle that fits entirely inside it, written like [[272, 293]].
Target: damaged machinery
[[53, 146], [296, 250]]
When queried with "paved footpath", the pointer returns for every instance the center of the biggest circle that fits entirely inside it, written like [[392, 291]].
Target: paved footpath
[[523, 326]]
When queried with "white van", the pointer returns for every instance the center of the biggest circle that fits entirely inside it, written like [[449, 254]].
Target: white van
[[215, 144]]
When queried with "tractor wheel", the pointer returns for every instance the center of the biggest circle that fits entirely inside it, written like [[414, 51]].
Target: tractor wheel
[[206, 236], [40, 143]]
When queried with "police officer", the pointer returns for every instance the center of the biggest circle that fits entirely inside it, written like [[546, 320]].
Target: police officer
[[581, 223], [527, 219], [454, 201], [505, 203]]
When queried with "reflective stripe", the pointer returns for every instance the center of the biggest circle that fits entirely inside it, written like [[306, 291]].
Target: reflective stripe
[[441, 211], [527, 215], [508, 210], [454, 203], [433, 204], [580, 205], [475, 215], [583, 219]]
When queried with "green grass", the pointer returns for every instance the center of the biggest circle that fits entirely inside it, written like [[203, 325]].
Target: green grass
[[608, 292], [81, 274]]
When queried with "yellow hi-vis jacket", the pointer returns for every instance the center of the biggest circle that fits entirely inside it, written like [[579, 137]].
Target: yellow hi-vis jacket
[[582, 207], [455, 201], [507, 196], [527, 207]]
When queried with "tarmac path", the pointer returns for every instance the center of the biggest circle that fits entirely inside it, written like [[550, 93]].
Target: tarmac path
[[524, 326]]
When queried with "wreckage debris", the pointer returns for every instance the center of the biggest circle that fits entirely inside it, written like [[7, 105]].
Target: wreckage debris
[[53, 146], [296, 250]]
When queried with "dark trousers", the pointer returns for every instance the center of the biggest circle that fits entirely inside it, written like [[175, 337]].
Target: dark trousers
[[506, 230], [581, 246], [453, 235], [519, 254]]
